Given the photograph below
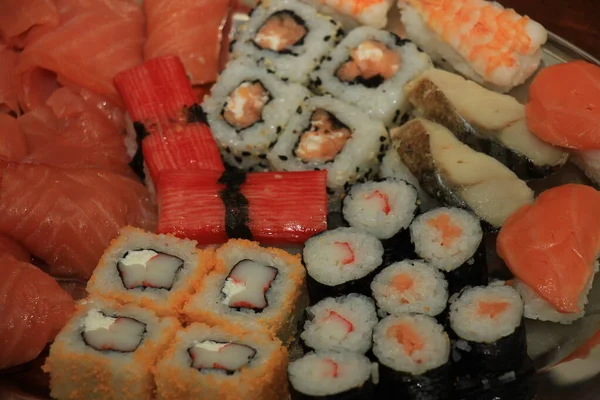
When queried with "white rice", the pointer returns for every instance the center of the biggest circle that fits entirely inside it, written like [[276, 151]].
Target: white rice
[[366, 214], [322, 35], [359, 310], [321, 256], [358, 159], [392, 354], [249, 147], [387, 102], [428, 240], [469, 324], [311, 374], [428, 294]]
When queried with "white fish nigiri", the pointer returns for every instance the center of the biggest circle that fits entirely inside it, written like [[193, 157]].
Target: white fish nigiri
[[480, 39]]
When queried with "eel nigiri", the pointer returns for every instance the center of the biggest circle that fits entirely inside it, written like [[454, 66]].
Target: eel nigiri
[[34, 309], [552, 246], [457, 175], [489, 122], [480, 39]]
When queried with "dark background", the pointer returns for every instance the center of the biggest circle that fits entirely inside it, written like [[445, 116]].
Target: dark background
[[578, 21]]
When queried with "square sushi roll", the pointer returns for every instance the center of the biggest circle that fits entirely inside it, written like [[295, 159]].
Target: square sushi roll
[[107, 351], [254, 286], [153, 271], [225, 362]]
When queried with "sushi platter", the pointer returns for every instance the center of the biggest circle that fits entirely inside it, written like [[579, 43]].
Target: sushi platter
[[294, 199]]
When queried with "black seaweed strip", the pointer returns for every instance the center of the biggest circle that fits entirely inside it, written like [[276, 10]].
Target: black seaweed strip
[[236, 204], [195, 113], [137, 163]]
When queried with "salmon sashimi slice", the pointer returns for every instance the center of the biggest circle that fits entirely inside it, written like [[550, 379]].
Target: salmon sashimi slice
[[68, 217], [194, 35], [552, 245], [87, 50], [39, 127], [10, 247], [86, 138], [564, 105], [8, 88], [13, 146], [20, 18], [34, 309]]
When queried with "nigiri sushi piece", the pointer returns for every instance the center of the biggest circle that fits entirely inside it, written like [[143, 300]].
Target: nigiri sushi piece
[[8, 88], [13, 146], [551, 247], [356, 12], [34, 309], [457, 175], [489, 122], [480, 39], [9, 246]]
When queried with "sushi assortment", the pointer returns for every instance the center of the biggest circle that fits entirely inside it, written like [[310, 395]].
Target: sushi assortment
[[376, 160]]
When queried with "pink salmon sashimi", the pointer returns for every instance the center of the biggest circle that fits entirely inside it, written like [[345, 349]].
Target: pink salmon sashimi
[[86, 138], [23, 20], [39, 127], [196, 35], [9, 246], [96, 40], [8, 88], [68, 217], [34, 309], [13, 146]]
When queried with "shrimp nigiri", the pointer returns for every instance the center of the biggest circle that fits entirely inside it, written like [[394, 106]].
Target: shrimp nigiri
[[480, 39], [353, 12]]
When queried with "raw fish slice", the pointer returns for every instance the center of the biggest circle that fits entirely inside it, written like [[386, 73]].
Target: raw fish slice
[[34, 309], [8, 88], [39, 127], [86, 139], [88, 49], [12, 248], [564, 105], [194, 35], [68, 217], [20, 18], [13, 146], [552, 245]]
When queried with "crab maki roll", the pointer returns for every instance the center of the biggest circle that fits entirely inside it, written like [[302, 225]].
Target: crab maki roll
[[410, 287], [368, 69], [287, 37], [227, 362], [254, 286], [107, 351], [247, 110], [451, 239], [341, 261], [332, 375], [341, 323], [414, 356], [150, 270]]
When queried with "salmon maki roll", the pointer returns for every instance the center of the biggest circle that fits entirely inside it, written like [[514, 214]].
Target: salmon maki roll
[[158, 272], [225, 362], [107, 351], [254, 286]]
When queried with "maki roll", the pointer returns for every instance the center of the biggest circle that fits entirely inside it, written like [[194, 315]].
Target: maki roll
[[451, 240], [368, 69], [107, 351], [457, 175], [149, 270], [385, 209], [247, 110], [329, 134], [225, 362], [341, 323], [253, 286], [456, 103], [332, 375], [489, 329], [410, 287], [287, 37], [414, 357], [341, 261]]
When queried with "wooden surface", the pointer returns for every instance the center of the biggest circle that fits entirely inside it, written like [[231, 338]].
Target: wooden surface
[[578, 21]]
